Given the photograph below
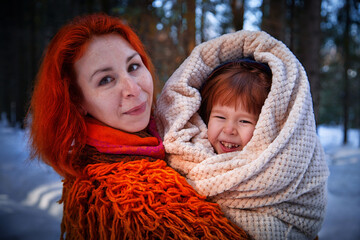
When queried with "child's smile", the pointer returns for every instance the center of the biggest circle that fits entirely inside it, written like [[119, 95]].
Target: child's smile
[[230, 128]]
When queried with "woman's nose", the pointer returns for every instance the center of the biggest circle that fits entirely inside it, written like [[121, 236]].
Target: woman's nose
[[130, 88]]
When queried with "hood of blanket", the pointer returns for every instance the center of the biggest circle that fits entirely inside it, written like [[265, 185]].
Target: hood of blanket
[[284, 157]]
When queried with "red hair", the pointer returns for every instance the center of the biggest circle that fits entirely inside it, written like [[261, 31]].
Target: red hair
[[244, 81], [57, 124]]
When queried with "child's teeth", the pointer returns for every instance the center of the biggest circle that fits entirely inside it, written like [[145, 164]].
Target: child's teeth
[[229, 145]]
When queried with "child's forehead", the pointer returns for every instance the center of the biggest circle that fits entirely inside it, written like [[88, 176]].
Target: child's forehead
[[235, 100], [236, 110], [222, 105], [229, 98]]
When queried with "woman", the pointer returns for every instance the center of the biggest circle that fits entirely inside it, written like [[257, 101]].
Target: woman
[[275, 187], [90, 119]]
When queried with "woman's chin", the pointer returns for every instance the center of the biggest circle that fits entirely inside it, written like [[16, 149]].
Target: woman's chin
[[137, 126]]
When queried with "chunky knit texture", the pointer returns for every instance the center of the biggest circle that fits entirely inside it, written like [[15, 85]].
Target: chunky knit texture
[[127, 192], [275, 188]]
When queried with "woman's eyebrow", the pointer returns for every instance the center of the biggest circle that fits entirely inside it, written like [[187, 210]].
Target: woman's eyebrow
[[105, 69], [131, 57]]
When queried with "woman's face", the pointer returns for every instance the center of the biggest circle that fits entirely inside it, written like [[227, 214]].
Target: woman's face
[[117, 87]]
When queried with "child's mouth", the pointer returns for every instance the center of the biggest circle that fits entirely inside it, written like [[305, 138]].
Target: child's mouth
[[228, 147]]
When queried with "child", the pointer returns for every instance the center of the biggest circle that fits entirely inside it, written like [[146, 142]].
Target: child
[[232, 98], [275, 187]]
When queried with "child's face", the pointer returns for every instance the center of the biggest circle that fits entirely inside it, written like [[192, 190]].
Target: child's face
[[230, 128]]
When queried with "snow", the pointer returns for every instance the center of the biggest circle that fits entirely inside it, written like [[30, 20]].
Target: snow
[[331, 138], [342, 219], [29, 191]]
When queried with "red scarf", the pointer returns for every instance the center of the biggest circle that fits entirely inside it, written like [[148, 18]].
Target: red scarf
[[109, 140], [141, 198]]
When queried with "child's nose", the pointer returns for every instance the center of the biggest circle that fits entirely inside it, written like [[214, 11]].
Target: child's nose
[[229, 128]]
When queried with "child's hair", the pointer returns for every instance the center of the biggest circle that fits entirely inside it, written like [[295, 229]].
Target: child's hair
[[243, 80], [57, 126]]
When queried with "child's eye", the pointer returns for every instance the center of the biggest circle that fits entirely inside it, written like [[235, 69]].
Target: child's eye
[[105, 80], [133, 67], [219, 117], [245, 121]]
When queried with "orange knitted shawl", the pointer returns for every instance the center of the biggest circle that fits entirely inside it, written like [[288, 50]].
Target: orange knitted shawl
[[126, 191]]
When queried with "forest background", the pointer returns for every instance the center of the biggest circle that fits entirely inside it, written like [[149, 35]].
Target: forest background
[[323, 34]]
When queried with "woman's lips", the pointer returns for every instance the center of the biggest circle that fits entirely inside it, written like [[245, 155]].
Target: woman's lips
[[137, 110]]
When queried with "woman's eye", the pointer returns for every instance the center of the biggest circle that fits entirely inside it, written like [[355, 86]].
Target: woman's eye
[[105, 80], [133, 67]]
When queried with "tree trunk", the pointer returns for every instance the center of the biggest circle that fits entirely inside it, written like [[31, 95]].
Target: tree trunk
[[309, 50], [273, 20], [190, 27], [346, 99], [237, 8], [292, 26], [202, 21], [106, 6]]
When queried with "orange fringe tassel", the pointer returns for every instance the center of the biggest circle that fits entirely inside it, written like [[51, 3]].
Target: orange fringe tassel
[[139, 200]]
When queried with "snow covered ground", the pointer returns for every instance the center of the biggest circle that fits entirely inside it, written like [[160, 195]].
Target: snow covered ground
[[29, 191], [342, 219]]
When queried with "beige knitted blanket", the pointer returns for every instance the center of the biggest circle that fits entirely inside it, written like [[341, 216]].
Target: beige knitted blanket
[[275, 188]]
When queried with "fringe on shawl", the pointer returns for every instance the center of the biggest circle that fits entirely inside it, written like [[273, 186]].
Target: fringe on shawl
[[139, 200]]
